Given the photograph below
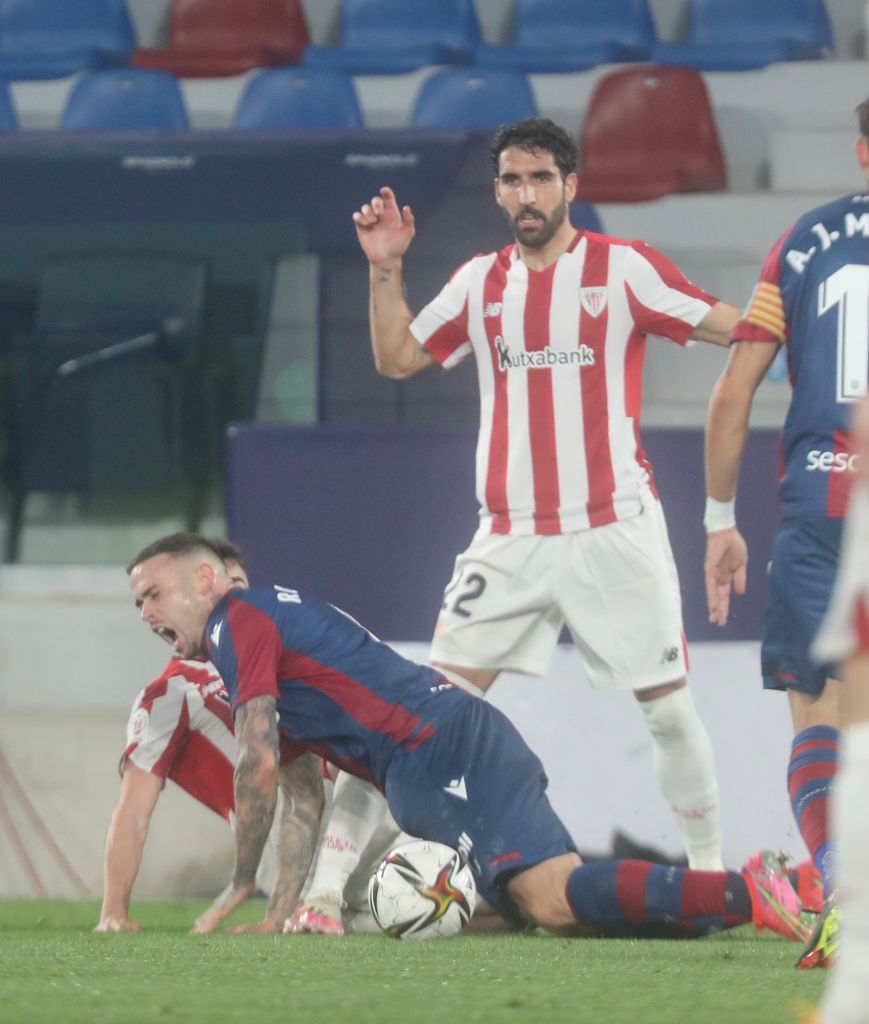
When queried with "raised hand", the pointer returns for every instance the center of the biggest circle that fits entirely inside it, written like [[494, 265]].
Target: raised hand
[[384, 231]]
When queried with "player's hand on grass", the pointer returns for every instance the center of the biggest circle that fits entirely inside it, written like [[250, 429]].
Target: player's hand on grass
[[384, 231], [113, 923], [726, 562], [258, 928], [226, 903]]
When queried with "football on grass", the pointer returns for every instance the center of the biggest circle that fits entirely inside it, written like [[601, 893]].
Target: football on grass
[[422, 890]]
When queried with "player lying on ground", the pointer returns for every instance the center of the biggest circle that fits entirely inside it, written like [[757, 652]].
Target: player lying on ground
[[180, 728], [304, 676]]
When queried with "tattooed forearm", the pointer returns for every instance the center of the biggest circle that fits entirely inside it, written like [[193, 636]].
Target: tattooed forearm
[[302, 788], [256, 783]]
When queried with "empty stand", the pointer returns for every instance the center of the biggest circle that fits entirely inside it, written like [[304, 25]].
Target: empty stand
[[649, 131], [125, 100], [738, 35], [209, 38], [109, 402], [472, 99], [571, 35], [382, 37], [298, 98], [55, 38]]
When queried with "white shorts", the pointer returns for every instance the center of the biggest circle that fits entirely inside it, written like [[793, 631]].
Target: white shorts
[[843, 631], [615, 587]]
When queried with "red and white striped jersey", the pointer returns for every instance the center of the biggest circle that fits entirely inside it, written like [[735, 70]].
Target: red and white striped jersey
[[180, 728], [560, 359]]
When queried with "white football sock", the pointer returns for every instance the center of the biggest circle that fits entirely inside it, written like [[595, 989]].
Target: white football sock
[[357, 810], [459, 680], [685, 769], [847, 998]]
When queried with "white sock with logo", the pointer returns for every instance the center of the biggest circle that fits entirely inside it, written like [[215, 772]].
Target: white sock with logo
[[847, 996], [356, 811], [685, 770]]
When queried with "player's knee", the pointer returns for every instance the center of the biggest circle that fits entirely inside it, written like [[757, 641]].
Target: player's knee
[[671, 716], [540, 892]]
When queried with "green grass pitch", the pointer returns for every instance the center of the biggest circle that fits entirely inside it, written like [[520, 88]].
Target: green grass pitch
[[54, 970]]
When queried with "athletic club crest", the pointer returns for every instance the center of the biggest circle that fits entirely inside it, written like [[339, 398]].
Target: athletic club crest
[[593, 300]]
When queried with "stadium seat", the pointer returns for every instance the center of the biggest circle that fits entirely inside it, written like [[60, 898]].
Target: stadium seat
[[125, 100], [298, 98], [739, 35], [648, 132], [112, 356], [584, 216], [55, 38], [471, 99], [214, 38], [387, 37], [572, 35]]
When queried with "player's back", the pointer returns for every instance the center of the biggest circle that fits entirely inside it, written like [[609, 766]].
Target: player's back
[[824, 281], [340, 691]]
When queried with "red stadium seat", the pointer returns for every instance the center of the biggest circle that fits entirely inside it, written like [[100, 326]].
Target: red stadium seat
[[649, 131], [211, 38]]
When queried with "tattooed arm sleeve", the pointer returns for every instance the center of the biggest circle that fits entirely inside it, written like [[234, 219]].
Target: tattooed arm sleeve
[[256, 783], [303, 802]]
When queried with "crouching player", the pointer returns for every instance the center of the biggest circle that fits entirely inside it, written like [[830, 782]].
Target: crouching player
[[304, 676], [180, 728]]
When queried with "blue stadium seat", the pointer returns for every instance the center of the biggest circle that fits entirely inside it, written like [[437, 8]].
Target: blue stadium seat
[[386, 37], [472, 99], [125, 100], [739, 35], [571, 35], [282, 99], [55, 38], [8, 119], [584, 216]]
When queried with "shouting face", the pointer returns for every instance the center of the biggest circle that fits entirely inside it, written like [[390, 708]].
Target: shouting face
[[175, 596]]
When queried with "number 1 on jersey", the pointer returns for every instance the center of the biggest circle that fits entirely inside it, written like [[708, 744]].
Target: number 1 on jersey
[[848, 288]]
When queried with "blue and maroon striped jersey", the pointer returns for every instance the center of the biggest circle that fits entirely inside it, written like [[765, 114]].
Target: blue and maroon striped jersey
[[813, 297], [340, 691]]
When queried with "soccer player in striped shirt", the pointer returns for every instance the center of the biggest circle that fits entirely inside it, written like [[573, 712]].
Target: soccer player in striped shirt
[[180, 728], [812, 298], [571, 530]]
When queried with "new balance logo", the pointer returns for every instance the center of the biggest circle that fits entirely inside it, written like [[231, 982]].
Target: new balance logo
[[457, 788], [492, 309], [215, 633], [669, 654]]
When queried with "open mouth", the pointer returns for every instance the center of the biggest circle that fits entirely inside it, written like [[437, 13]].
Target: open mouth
[[167, 634]]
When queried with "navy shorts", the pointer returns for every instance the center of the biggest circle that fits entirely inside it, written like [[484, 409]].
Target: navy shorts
[[477, 787], [805, 557]]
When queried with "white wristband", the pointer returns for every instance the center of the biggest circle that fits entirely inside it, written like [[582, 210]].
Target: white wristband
[[719, 515]]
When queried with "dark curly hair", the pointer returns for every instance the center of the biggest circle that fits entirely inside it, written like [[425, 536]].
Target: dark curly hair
[[536, 133]]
